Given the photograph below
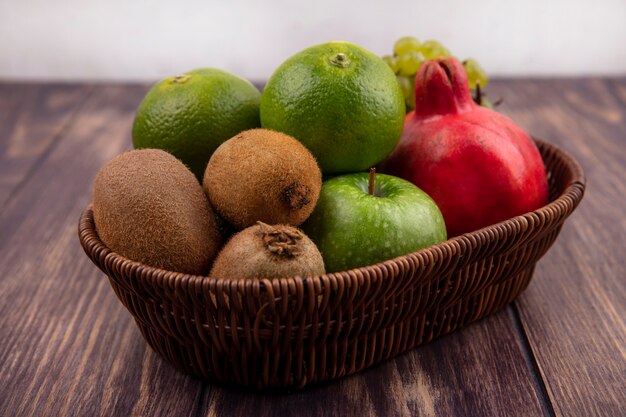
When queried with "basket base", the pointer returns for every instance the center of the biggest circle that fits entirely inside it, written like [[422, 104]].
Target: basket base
[[308, 368]]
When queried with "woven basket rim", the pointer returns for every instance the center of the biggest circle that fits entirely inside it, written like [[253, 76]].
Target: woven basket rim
[[563, 204]]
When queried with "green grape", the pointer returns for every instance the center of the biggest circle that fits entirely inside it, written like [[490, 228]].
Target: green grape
[[410, 102], [408, 89], [405, 84], [410, 63], [392, 61], [433, 50], [475, 73], [406, 44]]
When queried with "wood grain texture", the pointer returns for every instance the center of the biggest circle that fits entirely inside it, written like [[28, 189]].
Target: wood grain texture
[[32, 118], [68, 347], [574, 312]]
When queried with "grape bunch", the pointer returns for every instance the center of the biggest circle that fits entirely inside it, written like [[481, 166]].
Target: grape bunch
[[408, 56]]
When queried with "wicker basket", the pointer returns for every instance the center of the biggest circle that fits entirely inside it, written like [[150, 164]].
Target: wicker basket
[[291, 332]]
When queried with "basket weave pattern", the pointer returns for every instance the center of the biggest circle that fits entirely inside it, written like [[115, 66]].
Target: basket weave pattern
[[290, 332]]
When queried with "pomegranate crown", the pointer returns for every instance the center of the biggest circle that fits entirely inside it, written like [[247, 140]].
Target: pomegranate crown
[[441, 87]]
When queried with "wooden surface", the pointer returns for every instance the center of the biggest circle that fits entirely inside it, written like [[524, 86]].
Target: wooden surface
[[69, 348]]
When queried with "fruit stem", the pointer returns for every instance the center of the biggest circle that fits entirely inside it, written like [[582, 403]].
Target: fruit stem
[[280, 240], [340, 60], [479, 94], [182, 78], [370, 185]]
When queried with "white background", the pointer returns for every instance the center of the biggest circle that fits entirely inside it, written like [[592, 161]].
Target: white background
[[148, 40]]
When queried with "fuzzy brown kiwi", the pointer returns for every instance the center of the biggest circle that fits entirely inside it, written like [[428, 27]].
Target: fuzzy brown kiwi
[[150, 208], [264, 251], [262, 175]]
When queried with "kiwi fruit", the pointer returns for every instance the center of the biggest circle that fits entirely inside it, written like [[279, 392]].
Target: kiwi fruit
[[264, 251], [149, 207], [262, 175]]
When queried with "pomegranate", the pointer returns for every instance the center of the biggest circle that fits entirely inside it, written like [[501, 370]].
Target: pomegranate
[[478, 165]]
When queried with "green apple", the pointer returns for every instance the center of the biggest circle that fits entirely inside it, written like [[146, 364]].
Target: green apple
[[353, 227]]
